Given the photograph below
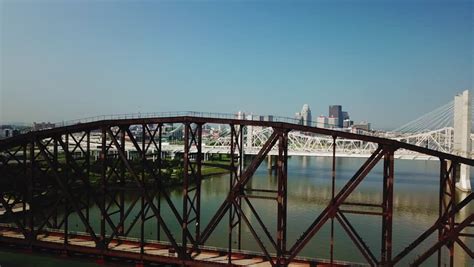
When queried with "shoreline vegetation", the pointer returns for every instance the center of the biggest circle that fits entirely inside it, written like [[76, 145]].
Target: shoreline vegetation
[[171, 176], [172, 173]]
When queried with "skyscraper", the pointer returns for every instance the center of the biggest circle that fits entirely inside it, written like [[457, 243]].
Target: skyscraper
[[322, 122], [298, 118], [335, 111], [345, 115], [306, 115]]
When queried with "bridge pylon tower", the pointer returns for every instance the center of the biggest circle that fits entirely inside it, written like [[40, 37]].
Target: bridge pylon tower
[[462, 136]]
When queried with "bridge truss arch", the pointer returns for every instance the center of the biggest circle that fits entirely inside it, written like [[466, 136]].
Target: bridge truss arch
[[97, 162]]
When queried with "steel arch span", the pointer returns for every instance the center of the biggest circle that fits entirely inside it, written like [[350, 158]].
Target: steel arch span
[[75, 170]]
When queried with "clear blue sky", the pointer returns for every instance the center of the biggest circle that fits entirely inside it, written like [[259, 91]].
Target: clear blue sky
[[385, 61]]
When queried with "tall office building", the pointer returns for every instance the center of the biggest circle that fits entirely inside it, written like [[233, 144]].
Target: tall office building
[[306, 115], [335, 111], [345, 116], [322, 122], [333, 122]]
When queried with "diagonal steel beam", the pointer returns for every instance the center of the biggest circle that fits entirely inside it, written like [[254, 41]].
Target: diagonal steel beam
[[238, 208], [447, 237], [9, 210], [262, 224], [233, 193], [122, 221], [433, 228], [68, 195], [363, 248], [465, 247], [160, 188], [86, 182], [181, 251], [331, 209]]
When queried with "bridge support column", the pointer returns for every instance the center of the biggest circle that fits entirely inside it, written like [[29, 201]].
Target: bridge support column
[[282, 171], [333, 188], [387, 208], [447, 202], [192, 183], [236, 165], [103, 186], [30, 192], [462, 136], [269, 163]]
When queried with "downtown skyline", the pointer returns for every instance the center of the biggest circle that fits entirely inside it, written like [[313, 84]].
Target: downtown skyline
[[388, 62]]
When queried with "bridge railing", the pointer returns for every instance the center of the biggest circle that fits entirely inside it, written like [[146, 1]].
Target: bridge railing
[[140, 115]]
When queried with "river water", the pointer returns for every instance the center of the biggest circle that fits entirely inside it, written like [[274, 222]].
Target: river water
[[416, 193]]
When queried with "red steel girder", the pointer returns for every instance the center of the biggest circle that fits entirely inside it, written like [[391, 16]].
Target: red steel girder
[[331, 209], [181, 251], [191, 182], [235, 190], [448, 236]]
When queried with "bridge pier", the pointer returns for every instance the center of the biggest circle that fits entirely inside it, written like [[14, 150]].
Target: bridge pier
[[462, 137], [271, 164]]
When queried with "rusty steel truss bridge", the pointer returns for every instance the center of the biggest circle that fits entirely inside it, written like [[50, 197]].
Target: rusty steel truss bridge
[[59, 164]]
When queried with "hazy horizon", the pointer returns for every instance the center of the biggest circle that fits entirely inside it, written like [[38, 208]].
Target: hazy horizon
[[386, 62]]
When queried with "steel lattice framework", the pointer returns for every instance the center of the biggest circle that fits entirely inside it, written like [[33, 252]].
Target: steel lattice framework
[[60, 163], [303, 143]]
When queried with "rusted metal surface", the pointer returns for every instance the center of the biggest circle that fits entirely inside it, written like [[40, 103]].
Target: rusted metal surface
[[53, 162]]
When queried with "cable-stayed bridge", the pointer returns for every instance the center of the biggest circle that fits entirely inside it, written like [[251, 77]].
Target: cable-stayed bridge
[[434, 130]]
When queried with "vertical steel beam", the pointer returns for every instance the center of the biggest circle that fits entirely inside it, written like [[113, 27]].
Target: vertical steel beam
[[66, 207], [234, 218], [88, 171], [55, 166], [442, 181], [231, 183], [236, 167], [122, 181], [159, 179], [198, 180], [25, 193], [387, 207], [31, 184], [282, 177], [241, 162], [192, 181], [187, 129], [103, 157], [447, 202], [451, 220], [333, 190], [442, 178], [142, 198]]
